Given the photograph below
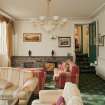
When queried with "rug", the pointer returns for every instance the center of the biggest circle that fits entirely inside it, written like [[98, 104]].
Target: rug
[[92, 88]]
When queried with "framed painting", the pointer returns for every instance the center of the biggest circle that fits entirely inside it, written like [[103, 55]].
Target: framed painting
[[31, 37], [64, 41], [101, 40]]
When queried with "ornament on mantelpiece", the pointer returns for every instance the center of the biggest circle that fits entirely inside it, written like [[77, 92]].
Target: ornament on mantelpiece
[[52, 52], [29, 52]]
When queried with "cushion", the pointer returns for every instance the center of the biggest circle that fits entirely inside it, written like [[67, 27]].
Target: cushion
[[53, 103], [60, 101], [4, 73], [49, 66], [20, 93], [49, 96], [2, 83], [75, 100], [72, 94], [28, 84], [13, 76], [9, 91], [5, 84], [67, 92], [8, 85], [24, 76]]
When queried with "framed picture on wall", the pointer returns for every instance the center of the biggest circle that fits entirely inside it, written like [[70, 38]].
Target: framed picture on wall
[[101, 40], [31, 37], [64, 41]]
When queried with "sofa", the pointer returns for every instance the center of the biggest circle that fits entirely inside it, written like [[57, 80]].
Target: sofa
[[17, 83], [61, 78], [70, 93], [40, 73]]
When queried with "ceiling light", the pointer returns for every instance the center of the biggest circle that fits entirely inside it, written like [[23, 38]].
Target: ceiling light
[[49, 23]]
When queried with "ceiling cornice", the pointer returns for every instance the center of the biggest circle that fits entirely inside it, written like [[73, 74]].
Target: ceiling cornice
[[69, 18], [93, 15], [2, 12], [90, 17], [97, 11]]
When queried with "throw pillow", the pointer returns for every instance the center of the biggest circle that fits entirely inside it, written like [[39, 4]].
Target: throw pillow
[[16, 92], [8, 85], [49, 66], [53, 104], [60, 101], [28, 85], [2, 83], [67, 91], [75, 100]]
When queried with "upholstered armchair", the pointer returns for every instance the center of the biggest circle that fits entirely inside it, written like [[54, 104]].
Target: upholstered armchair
[[61, 77], [70, 95]]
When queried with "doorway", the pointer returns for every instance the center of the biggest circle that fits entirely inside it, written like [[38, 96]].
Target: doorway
[[82, 38], [85, 40], [92, 41]]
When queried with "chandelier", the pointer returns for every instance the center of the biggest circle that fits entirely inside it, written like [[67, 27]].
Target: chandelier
[[50, 23]]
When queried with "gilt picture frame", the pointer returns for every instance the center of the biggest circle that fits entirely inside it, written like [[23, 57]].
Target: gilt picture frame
[[31, 37], [64, 41]]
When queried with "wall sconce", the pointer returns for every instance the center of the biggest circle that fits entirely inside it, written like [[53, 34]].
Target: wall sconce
[[53, 37]]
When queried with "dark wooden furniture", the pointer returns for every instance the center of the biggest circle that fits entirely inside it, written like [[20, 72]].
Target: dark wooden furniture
[[36, 61]]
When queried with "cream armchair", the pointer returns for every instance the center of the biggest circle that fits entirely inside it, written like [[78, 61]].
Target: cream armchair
[[70, 93], [17, 83]]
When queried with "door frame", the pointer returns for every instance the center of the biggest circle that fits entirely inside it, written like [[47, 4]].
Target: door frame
[[92, 41]]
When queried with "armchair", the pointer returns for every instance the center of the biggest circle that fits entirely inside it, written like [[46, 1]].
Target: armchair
[[60, 77], [70, 94]]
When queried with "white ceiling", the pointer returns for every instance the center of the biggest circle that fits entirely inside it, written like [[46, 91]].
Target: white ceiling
[[34, 8]]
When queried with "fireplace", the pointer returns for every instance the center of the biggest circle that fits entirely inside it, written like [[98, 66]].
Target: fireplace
[[36, 61], [29, 64]]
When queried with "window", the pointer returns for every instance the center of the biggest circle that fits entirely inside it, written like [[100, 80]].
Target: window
[[3, 39], [3, 44]]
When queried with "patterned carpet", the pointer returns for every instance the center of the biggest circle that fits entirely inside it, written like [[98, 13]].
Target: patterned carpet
[[91, 86], [92, 89]]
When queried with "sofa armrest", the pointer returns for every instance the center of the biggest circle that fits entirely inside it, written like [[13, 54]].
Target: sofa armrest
[[30, 84], [28, 87], [49, 96]]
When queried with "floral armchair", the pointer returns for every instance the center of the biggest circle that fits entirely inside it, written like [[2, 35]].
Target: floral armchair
[[61, 77]]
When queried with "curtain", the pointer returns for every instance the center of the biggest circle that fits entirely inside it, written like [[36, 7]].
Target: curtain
[[10, 32], [6, 33], [3, 44]]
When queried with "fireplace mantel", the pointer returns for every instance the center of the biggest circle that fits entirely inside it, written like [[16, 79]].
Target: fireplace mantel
[[18, 61]]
